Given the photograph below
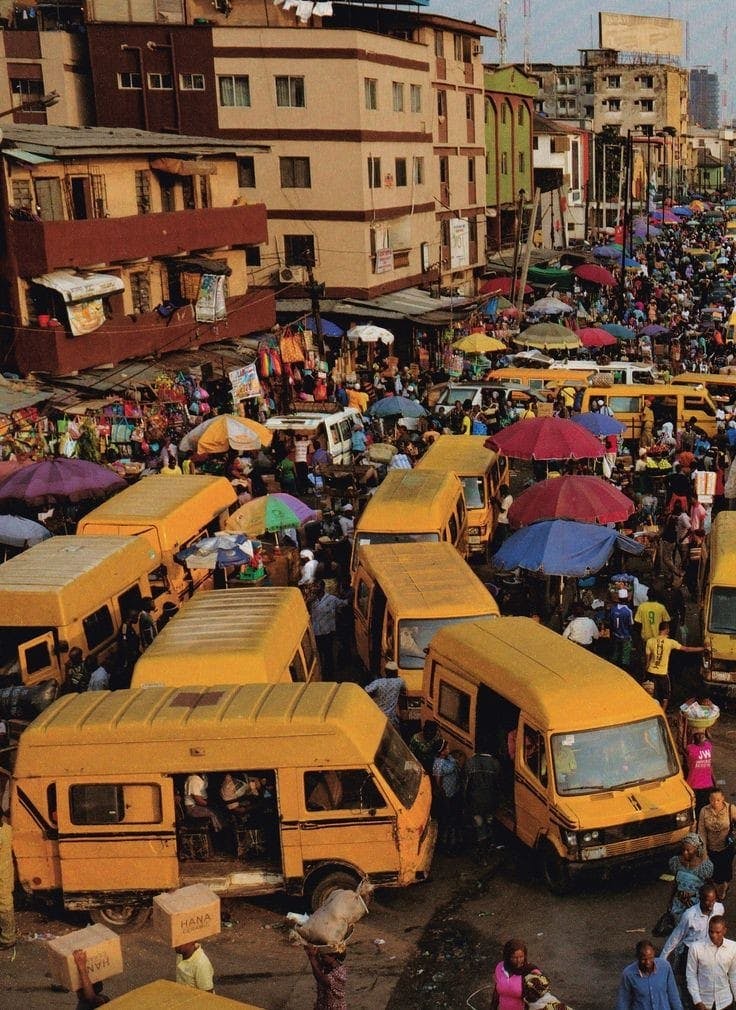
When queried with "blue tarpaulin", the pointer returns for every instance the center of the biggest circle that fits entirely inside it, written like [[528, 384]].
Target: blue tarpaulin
[[562, 547]]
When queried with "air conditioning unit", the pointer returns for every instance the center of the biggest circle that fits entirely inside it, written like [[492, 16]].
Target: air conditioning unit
[[291, 275]]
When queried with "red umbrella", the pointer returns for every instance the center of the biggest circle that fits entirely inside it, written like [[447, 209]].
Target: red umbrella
[[585, 499], [593, 336], [595, 274], [502, 286], [545, 438], [8, 466], [52, 481]]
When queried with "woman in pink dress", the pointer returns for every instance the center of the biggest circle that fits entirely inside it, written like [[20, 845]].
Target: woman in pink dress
[[509, 977]]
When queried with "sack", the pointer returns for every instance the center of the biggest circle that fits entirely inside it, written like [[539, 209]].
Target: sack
[[664, 924], [332, 923]]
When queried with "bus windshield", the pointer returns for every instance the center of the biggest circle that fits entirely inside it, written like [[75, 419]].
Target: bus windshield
[[722, 611], [399, 767], [613, 757], [474, 491], [365, 538]]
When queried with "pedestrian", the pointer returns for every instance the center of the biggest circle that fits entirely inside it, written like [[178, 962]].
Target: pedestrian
[[193, 967], [508, 977], [716, 824], [503, 503], [621, 623], [7, 879], [690, 869], [323, 612], [648, 983], [692, 927], [388, 690], [711, 969], [99, 678], [146, 624], [331, 976], [447, 776], [482, 778], [89, 994], [657, 652], [427, 744], [699, 762], [129, 649], [75, 671], [581, 630]]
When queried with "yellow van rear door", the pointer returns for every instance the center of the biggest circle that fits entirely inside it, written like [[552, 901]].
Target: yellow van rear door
[[38, 660]]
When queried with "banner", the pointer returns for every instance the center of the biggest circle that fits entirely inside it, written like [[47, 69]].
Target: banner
[[210, 306], [85, 317], [459, 243], [245, 383]]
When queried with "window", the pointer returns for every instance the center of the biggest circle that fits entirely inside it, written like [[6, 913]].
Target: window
[[298, 250], [374, 172], [352, 789], [520, 115], [722, 611], [417, 171], [129, 81], [400, 172], [140, 292], [439, 44], [470, 108], [362, 598], [295, 173], [370, 87], [309, 649], [442, 105], [297, 669], [614, 104], [647, 81], [471, 169], [98, 627], [143, 191], [457, 45], [397, 92], [503, 114], [452, 527], [115, 803], [38, 657], [401, 771], [247, 172], [613, 81], [646, 104], [624, 404], [444, 169], [252, 256], [535, 143], [234, 91], [191, 82], [160, 82], [535, 757], [504, 163], [522, 161], [22, 194], [131, 598], [290, 93], [454, 705], [415, 97]]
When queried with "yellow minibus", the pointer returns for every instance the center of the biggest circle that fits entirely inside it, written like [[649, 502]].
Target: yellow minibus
[[327, 793], [481, 472], [172, 513], [402, 594], [68, 592], [721, 387], [717, 578], [589, 773], [165, 995], [414, 506], [669, 403], [237, 636], [543, 379]]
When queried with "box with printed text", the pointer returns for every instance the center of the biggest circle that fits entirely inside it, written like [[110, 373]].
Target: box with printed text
[[104, 956], [191, 913]]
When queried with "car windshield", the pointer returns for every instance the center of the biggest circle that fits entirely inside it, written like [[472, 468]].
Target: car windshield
[[415, 636], [365, 538], [398, 767], [722, 611], [453, 396], [612, 758], [475, 492]]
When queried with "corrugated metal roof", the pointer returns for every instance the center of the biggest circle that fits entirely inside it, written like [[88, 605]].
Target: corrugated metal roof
[[28, 157], [16, 395], [59, 141]]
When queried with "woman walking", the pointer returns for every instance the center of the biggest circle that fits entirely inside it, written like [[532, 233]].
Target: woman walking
[[714, 827]]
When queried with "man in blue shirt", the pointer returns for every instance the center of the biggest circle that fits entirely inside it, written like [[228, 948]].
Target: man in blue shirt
[[648, 983], [621, 623]]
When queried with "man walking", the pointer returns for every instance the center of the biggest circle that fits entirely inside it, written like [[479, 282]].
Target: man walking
[[648, 983], [657, 653], [386, 691], [692, 928], [621, 623], [711, 969], [7, 878], [323, 612]]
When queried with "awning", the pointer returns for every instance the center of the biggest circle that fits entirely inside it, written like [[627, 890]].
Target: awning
[[28, 157], [79, 288], [17, 395], [180, 166], [201, 265]]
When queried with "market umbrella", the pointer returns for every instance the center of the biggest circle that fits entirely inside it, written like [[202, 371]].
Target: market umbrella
[[224, 432], [547, 336], [599, 424], [479, 343], [561, 547], [549, 307], [584, 499], [594, 336], [269, 514], [371, 334], [683, 211], [542, 438], [502, 286], [15, 531], [619, 331], [8, 466], [654, 330], [594, 273], [397, 406], [664, 217], [329, 329], [220, 551], [57, 480], [607, 252], [697, 205]]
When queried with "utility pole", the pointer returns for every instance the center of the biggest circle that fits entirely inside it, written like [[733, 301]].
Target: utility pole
[[649, 178], [316, 291], [627, 184], [528, 249], [517, 242]]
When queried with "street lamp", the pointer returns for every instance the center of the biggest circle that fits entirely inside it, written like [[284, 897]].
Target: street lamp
[[34, 104]]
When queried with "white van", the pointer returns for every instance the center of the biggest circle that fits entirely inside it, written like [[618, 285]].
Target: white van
[[627, 372], [329, 422]]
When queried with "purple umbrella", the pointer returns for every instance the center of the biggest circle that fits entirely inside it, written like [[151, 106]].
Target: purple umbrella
[[59, 480], [654, 330]]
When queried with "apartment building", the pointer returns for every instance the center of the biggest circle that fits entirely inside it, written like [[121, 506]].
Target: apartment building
[[565, 92], [561, 172], [123, 243]]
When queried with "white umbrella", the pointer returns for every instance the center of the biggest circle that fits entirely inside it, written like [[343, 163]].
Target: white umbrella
[[549, 307], [370, 334]]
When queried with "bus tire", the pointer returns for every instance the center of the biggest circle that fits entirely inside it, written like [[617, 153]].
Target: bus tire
[[339, 880], [555, 870], [121, 918]]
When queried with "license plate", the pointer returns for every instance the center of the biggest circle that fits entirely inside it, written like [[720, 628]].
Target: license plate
[[722, 676], [597, 852]]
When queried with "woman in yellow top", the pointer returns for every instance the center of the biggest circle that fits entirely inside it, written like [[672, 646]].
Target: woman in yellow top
[[657, 653]]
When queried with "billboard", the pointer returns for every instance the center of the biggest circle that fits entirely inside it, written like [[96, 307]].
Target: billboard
[[459, 243], [633, 33]]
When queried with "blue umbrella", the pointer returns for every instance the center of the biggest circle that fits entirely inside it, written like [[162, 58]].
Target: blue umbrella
[[329, 329], [683, 211], [15, 531], [220, 551], [606, 252], [562, 547], [397, 406], [599, 424], [617, 330]]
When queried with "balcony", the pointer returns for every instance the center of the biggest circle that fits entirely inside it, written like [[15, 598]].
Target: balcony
[[41, 246]]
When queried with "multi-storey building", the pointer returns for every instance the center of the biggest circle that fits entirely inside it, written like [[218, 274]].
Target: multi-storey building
[[121, 243], [704, 98], [565, 92], [561, 171]]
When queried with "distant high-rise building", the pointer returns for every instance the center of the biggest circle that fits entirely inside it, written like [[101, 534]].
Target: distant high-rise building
[[704, 98]]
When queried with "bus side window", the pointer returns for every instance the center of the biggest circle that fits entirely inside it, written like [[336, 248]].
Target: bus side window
[[454, 705], [535, 757], [297, 669], [452, 524]]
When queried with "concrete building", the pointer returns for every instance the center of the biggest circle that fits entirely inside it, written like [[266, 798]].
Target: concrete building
[[561, 170], [704, 98], [121, 243], [565, 92]]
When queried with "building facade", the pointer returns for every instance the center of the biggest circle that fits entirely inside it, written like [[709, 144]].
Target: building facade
[[565, 92], [704, 88], [561, 173]]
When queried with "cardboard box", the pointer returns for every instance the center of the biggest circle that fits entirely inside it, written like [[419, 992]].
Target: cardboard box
[[191, 913], [104, 956]]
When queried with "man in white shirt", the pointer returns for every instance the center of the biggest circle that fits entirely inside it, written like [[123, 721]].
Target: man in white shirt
[[711, 969], [693, 926], [581, 630]]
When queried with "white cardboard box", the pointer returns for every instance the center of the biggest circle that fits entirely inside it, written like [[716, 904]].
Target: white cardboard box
[[191, 913], [104, 955]]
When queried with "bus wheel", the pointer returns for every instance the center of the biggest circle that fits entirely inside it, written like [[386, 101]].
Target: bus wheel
[[556, 870], [340, 880], [121, 918]]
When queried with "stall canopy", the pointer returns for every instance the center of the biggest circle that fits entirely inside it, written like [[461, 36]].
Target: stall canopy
[[75, 287], [201, 265], [183, 166], [563, 280]]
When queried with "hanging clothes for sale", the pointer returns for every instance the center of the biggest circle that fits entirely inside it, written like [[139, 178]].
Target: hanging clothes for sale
[[292, 346]]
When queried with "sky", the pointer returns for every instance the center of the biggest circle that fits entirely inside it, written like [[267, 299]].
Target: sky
[[558, 28]]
